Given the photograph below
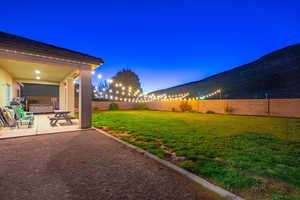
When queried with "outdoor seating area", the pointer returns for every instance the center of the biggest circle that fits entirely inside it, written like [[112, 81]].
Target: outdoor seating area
[[15, 121], [14, 116], [40, 125]]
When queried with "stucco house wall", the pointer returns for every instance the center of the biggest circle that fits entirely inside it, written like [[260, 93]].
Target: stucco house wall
[[5, 79]]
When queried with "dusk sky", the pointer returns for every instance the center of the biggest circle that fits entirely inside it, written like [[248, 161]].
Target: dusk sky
[[165, 42]]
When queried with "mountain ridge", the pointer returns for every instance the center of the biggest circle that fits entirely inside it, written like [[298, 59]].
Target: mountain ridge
[[270, 69]]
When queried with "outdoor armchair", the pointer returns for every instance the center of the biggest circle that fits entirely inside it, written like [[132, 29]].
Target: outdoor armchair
[[24, 118]]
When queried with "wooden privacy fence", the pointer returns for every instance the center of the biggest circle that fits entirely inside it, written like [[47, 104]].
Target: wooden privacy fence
[[265, 107]]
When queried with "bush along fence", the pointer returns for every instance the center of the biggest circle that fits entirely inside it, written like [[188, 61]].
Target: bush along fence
[[263, 107]]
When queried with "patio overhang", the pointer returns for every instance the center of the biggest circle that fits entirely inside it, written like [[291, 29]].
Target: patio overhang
[[29, 61], [27, 70]]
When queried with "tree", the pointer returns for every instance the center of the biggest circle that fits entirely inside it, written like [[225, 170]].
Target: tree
[[126, 83], [103, 84]]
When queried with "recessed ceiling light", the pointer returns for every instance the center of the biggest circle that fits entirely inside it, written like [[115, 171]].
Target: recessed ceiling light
[[38, 78], [37, 71]]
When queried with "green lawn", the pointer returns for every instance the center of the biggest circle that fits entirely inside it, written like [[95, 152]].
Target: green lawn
[[256, 157]]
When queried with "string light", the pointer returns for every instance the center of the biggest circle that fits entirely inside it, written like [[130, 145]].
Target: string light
[[211, 94], [137, 96]]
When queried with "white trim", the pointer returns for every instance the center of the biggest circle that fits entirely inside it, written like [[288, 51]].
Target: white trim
[[42, 56]]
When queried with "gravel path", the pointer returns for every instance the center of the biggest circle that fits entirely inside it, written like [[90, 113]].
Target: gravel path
[[86, 165]]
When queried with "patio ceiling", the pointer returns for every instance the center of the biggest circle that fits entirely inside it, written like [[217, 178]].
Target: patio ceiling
[[25, 71]]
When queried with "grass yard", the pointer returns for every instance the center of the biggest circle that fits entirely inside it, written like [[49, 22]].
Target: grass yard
[[255, 157]]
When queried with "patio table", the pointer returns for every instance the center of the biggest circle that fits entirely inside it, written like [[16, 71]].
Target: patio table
[[61, 115]]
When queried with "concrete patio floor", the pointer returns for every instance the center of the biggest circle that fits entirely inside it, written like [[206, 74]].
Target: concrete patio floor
[[86, 165], [41, 126]]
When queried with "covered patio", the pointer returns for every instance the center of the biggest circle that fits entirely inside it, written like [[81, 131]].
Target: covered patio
[[24, 61], [40, 126]]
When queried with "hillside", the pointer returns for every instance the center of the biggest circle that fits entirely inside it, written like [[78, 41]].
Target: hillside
[[277, 74]]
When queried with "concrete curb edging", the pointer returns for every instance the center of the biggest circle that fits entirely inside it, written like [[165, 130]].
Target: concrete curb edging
[[220, 191]]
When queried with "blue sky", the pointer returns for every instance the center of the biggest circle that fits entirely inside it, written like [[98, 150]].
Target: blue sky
[[165, 42]]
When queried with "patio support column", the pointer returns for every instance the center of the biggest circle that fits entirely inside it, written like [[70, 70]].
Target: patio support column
[[85, 98], [62, 95], [70, 96]]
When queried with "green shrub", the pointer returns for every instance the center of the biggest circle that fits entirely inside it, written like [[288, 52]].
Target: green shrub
[[113, 106], [185, 107], [141, 106], [210, 112], [228, 109]]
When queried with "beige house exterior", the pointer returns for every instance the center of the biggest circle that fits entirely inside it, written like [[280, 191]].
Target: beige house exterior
[[27, 61]]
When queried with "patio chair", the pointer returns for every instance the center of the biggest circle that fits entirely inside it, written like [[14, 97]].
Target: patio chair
[[3, 122], [7, 118], [14, 116], [22, 117]]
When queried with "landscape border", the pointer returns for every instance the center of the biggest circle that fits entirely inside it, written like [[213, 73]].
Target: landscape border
[[193, 177]]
